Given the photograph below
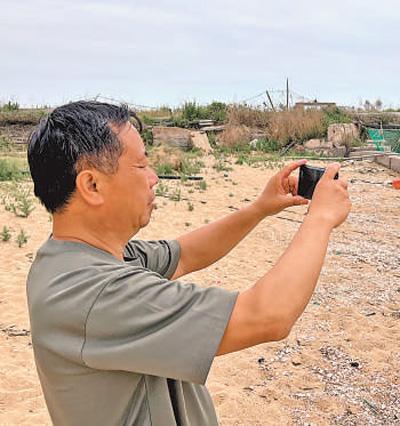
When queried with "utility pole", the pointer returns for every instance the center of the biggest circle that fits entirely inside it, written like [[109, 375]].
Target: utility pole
[[287, 94]]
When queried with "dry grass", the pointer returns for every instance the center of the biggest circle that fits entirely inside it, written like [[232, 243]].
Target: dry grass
[[22, 116], [282, 127], [296, 125], [240, 115], [235, 136]]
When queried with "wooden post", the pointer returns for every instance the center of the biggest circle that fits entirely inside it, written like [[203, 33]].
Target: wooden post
[[270, 100]]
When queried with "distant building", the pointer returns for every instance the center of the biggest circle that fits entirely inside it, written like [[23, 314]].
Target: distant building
[[314, 105]]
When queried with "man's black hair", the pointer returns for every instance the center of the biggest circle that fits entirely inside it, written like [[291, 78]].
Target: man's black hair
[[72, 136]]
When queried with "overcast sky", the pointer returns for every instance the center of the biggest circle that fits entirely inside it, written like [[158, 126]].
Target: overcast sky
[[165, 52]]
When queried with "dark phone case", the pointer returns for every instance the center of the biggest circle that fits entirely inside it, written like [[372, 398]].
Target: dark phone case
[[308, 179]]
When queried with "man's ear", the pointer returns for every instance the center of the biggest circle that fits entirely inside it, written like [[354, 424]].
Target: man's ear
[[88, 186]]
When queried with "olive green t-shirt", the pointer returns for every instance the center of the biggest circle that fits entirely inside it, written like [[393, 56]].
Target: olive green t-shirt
[[118, 342]]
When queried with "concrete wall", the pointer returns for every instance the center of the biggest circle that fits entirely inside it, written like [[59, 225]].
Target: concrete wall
[[389, 160]]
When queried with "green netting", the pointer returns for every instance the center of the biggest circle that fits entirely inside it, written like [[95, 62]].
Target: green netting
[[390, 136]]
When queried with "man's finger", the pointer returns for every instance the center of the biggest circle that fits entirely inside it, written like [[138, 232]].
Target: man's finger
[[299, 201], [293, 185], [343, 182], [291, 167], [331, 171]]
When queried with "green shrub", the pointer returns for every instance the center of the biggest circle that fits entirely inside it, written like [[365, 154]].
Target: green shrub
[[216, 111], [164, 169], [335, 115], [176, 195], [5, 144], [191, 167], [162, 189], [5, 234], [22, 238], [19, 201], [267, 145], [11, 169], [10, 106], [202, 185], [147, 136]]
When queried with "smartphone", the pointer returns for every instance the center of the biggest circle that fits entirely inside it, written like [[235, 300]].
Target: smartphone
[[308, 179]]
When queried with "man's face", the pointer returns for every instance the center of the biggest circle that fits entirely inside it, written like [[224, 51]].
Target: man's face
[[129, 195]]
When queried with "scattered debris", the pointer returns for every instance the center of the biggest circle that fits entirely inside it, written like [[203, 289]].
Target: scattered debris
[[12, 331]]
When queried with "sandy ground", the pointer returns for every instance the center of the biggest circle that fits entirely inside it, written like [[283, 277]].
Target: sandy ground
[[340, 364]]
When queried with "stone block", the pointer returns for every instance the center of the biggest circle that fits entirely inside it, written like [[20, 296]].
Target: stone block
[[395, 163], [342, 133], [383, 159], [172, 136], [200, 140]]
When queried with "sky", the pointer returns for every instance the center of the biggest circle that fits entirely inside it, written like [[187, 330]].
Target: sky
[[154, 53]]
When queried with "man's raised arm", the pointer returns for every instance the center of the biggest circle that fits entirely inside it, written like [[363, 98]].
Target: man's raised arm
[[206, 245], [268, 310]]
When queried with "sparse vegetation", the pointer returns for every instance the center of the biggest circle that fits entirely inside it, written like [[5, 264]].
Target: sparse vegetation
[[162, 190], [13, 169], [176, 195], [10, 106], [202, 185], [164, 169], [5, 144], [18, 200], [22, 238], [5, 234]]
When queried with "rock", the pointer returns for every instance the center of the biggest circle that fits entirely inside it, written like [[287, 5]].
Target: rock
[[299, 148], [317, 144], [172, 136], [313, 144], [342, 134], [200, 140], [339, 151], [253, 143]]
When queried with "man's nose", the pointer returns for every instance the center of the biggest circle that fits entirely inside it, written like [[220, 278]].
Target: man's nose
[[153, 178]]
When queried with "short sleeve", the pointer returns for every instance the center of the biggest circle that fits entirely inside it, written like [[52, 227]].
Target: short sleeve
[[159, 256], [149, 325]]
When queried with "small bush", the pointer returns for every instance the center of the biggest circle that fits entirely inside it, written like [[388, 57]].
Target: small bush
[[11, 169], [202, 185], [335, 115], [164, 169], [162, 190], [22, 238], [19, 201], [5, 234], [176, 195], [221, 165], [267, 145], [5, 144], [191, 167], [165, 160], [10, 106], [147, 136]]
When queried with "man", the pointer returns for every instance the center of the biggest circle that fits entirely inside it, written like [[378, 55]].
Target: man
[[117, 339]]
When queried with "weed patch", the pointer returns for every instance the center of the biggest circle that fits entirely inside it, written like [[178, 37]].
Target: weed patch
[[18, 200]]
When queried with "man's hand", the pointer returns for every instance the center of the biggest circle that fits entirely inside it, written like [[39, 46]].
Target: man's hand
[[281, 191], [330, 203]]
